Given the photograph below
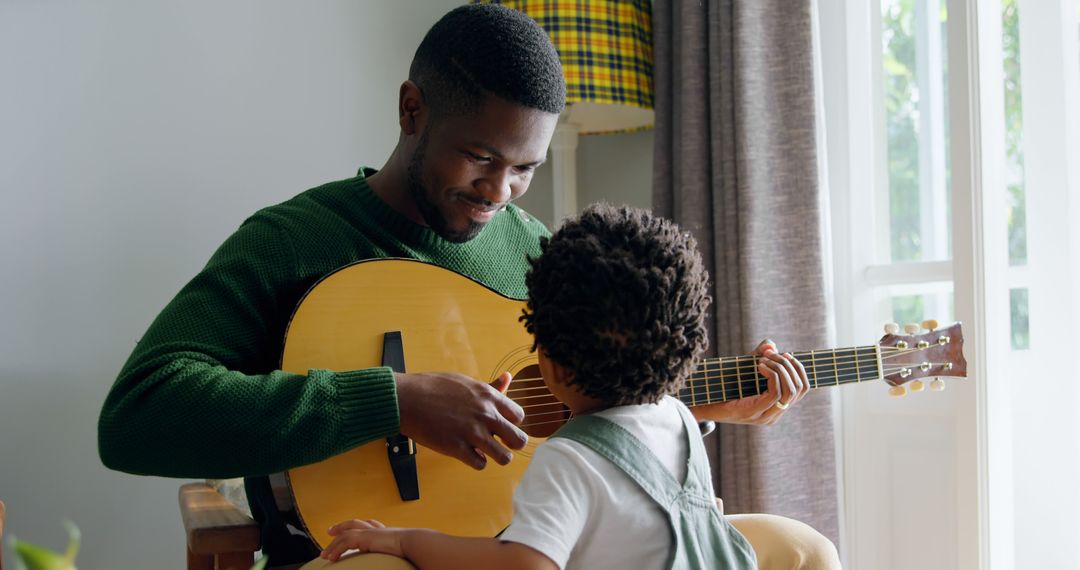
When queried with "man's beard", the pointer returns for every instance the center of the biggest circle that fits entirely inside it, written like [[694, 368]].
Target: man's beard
[[430, 212]]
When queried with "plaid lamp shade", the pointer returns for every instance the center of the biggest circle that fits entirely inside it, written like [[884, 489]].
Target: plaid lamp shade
[[607, 58]]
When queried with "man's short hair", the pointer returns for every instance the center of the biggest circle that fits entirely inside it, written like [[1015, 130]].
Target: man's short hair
[[486, 48], [618, 296]]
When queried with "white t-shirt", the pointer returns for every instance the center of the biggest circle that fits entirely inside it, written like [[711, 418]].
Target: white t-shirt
[[582, 511]]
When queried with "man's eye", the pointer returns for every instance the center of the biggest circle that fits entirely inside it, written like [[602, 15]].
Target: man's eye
[[478, 157]]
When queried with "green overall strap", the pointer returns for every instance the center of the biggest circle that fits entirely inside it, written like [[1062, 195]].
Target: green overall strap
[[701, 536], [614, 443]]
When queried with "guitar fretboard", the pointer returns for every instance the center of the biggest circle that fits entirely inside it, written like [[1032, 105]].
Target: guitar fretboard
[[731, 378]]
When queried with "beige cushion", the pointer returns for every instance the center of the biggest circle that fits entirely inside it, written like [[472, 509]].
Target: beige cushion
[[368, 561]]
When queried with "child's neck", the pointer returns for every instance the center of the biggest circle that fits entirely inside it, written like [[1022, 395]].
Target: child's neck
[[581, 404], [589, 409]]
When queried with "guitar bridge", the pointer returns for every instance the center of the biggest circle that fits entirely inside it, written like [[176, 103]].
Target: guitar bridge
[[400, 450]]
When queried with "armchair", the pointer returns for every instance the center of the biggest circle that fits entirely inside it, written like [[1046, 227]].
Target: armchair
[[222, 537], [219, 535]]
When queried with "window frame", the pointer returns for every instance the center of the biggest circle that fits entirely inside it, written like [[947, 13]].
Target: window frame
[[978, 269]]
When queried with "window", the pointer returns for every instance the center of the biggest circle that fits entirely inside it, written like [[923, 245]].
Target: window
[[913, 179], [1019, 335], [914, 63], [953, 131]]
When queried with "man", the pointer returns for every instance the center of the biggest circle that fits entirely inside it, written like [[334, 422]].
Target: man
[[201, 395]]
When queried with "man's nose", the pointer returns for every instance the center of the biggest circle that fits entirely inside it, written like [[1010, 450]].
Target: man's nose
[[495, 186]]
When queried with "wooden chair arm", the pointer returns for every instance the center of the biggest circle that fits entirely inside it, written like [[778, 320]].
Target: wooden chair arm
[[214, 525]]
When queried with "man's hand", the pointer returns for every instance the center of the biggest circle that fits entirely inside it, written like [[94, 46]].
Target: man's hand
[[787, 384], [460, 417]]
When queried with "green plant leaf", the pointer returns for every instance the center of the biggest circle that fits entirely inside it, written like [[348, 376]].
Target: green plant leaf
[[260, 564], [30, 556]]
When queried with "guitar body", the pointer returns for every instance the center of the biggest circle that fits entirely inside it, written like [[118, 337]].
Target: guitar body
[[447, 322], [451, 323]]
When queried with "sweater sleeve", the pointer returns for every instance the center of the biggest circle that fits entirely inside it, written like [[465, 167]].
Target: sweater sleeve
[[200, 395]]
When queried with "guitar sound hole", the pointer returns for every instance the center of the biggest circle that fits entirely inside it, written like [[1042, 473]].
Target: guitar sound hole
[[543, 413]]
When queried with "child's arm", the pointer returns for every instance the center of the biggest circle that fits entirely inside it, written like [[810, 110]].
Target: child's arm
[[429, 549]]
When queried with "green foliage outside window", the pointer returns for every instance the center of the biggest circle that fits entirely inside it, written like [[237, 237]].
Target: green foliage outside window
[[1014, 133], [907, 309], [899, 35], [901, 127]]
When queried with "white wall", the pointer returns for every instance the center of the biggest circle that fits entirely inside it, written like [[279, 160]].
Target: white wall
[[136, 136], [610, 168]]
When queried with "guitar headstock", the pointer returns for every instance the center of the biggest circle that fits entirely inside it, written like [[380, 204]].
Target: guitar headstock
[[932, 354]]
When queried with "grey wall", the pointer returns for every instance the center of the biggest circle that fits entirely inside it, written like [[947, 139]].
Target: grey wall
[[616, 169], [611, 168], [136, 136]]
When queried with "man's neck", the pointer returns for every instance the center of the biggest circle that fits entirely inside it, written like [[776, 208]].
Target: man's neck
[[390, 184]]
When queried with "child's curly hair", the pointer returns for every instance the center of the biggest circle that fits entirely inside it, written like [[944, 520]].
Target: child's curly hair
[[618, 296]]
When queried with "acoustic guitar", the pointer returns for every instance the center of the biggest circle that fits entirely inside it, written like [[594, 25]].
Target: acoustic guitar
[[414, 316]]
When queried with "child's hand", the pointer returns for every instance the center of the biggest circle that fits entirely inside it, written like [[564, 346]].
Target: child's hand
[[364, 535]]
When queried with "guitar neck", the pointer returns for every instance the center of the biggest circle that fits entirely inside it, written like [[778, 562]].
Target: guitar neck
[[734, 377]]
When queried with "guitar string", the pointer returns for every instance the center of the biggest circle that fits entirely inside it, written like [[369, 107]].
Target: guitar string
[[845, 369], [565, 414], [887, 352], [724, 366], [733, 393], [742, 366], [740, 381]]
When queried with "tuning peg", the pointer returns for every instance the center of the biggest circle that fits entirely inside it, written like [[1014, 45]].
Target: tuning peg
[[911, 328], [930, 324], [917, 386], [897, 391], [937, 385], [892, 328]]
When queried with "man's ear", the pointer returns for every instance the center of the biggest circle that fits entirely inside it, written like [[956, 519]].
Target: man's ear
[[411, 108]]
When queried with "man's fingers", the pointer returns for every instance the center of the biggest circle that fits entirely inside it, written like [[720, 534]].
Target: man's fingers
[[800, 373], [510, 410], [507, 407], [510, 434], [491, 447], [772, 379], [792, 376], [786, 385], [773, 376], [469, 455], [502, 382], [504, 424], [485, 442]]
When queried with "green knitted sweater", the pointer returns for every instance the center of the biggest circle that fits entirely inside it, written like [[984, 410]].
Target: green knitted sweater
[[202, 396]]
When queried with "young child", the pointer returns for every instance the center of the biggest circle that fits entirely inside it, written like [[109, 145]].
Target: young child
[[617, 304]]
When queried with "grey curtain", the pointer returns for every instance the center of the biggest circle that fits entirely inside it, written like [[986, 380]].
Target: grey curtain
[[736, 164]]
